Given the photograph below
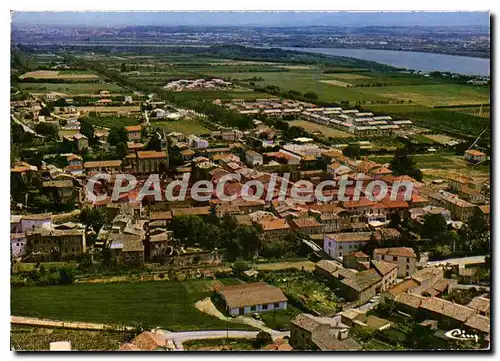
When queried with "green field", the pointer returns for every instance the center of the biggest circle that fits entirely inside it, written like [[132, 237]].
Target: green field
[[185, 126], [110, 122], [432, 95], [164, 304], [25, 338], [304, 81], [439, 119], [71, 88]]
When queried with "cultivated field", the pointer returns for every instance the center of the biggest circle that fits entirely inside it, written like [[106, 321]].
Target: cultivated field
[[25, 338], [336, 83], [483, 112], [432, 95], [65, 74], [70, 89], [163, 304]]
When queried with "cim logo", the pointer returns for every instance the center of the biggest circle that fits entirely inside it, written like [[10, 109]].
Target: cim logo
[[460, 335]]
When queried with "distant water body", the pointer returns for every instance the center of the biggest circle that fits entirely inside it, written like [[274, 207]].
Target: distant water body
[[412, 60]]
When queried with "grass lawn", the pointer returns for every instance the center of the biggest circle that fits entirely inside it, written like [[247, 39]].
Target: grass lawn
[[280, 320], [111, 122], [26, 338], [302, 287], [431, 95], [74, 88], [164, 304], [430, 160], [24, 267], [186, 126]]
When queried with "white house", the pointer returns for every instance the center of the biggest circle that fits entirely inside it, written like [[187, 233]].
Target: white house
[[404, 257], [33, 221], [337, 245], [18, 244], [252, 298], [253, 158]]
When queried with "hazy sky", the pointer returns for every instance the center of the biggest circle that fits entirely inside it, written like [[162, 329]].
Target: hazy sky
[[250, 18]]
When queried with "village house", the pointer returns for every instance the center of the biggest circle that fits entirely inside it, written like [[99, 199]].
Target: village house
[[274, 226], [79, 140], [307, 225], [18, 244], [388, 271], [252, 298], [61, 190], [474, 156], [47, 245], [147, 161], [148, 341], [404, 257], [107, 166], [337, 245], [30, 222], [253, 158], [460, 209], [134, 132], [356, 260], [308, 332], [361, 287], [481, 305], [126, 249]]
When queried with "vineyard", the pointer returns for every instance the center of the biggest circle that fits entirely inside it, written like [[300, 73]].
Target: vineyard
[[481, 111]]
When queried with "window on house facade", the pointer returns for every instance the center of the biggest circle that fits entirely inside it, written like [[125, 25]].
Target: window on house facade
[[253, 308], [276, 305], [264, 306]]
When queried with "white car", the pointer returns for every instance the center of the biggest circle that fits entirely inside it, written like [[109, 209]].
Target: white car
[[375, 299]]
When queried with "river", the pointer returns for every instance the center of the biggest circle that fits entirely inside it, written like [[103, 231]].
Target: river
[[411, 59]]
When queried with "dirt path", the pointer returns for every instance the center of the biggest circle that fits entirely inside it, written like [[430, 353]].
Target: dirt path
[[206, 306], [31, 321]]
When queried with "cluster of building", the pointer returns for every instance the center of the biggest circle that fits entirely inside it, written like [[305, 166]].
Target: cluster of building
[[348, 120], [197, 84]]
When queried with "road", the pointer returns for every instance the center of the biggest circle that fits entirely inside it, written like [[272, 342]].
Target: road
[[177, 337], [25, 127], [457, 261]]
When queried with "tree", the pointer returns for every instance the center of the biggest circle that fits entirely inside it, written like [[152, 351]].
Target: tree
[[93, 218], [117, 135], [404, 164], [311, 95], [87, 129], [154, 143], [352, 151], [434, 227], [240, 267], [47, 129], [263, 338]]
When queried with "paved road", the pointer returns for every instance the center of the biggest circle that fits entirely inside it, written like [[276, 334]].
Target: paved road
[[457, 261]]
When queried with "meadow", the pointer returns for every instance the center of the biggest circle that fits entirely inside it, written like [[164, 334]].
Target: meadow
[[72, 89], [186, 126], [155, 304]]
